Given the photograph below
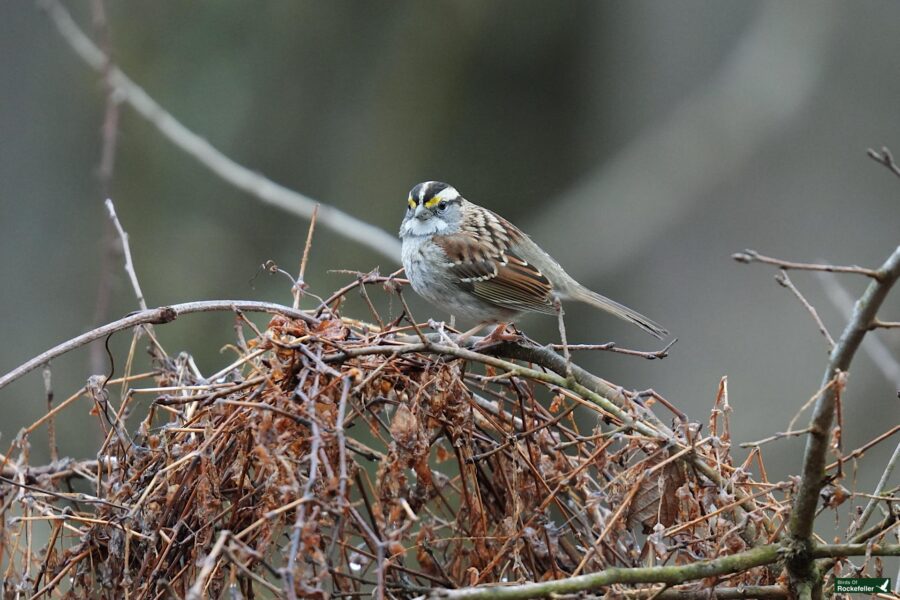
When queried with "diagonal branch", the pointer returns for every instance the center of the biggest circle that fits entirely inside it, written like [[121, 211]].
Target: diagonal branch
[[262, 188], [813, 476], [878, 351], [785, 281], [885, 158]]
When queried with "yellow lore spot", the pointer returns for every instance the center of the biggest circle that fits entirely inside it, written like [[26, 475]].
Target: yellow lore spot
[[411, 202]]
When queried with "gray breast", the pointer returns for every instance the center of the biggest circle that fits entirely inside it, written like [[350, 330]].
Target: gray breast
[[428, 271]]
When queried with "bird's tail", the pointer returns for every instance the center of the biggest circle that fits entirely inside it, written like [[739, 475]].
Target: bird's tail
[[583, 294]]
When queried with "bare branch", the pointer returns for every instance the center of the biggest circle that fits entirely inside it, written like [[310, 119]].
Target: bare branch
[[885, 158], [154, 316], [862, 449], [762, 592], [611, 347], [262, 188], [785, 281], [813, 476], [126, 249], [51, 422], [300, 284], [885, 477], [778, 436], [877, 350], [752, 256], [876, 324], [756, 557], [209, 565], [105, 169]]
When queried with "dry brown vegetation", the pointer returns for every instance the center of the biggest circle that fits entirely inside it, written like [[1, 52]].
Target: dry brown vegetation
[[339, 458]]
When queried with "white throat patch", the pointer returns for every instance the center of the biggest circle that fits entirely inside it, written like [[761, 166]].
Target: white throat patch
[[429, 227]]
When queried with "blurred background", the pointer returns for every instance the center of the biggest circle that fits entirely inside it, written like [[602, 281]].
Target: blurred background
[[640, 143]]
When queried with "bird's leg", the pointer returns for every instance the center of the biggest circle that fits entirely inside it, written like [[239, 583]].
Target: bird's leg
[[440, 327], [557, 306], [497, 336]]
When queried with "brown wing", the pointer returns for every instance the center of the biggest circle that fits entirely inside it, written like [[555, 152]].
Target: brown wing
[[484, 259]]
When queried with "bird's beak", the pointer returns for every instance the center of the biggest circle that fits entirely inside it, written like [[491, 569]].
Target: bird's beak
[[422, 213]]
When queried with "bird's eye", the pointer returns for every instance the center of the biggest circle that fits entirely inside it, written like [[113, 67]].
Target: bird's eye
[[442, 205]]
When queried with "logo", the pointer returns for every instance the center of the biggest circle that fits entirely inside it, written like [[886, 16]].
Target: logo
[[862, 585]]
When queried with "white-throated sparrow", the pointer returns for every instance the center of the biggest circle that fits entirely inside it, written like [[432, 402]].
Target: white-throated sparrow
[[475, 264]]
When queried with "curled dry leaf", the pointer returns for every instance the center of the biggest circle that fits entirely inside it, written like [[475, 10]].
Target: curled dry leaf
[[656, 501]]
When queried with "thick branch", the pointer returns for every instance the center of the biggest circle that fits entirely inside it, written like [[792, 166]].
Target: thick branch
[[756, 557], [674, 575], [820, 427], [760, 592], [154, 316], [813, 476]]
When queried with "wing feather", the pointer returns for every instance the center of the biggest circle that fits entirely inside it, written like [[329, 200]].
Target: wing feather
[[483, 258]]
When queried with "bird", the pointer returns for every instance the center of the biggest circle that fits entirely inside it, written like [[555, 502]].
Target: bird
[[473, 263]]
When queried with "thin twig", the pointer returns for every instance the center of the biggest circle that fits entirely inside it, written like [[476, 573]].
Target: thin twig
[[410, 318], [752, 256], [110, 128], [885, 477], [342, 441], [611, 522], [300, 284], [885, 158], [561, 324], [877, 350], [74, 496], [833, 382], [778, 436], [300, 514], [862, 449], [785, 281], [264, 189], [611, 347], [878, 324], [126, 249], [51, 422], [209, 565], [105, 170]]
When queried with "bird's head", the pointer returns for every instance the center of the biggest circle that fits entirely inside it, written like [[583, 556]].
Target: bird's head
[[432, 208]]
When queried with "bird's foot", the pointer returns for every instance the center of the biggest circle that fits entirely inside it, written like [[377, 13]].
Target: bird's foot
[[497, 336], [441, 328]]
